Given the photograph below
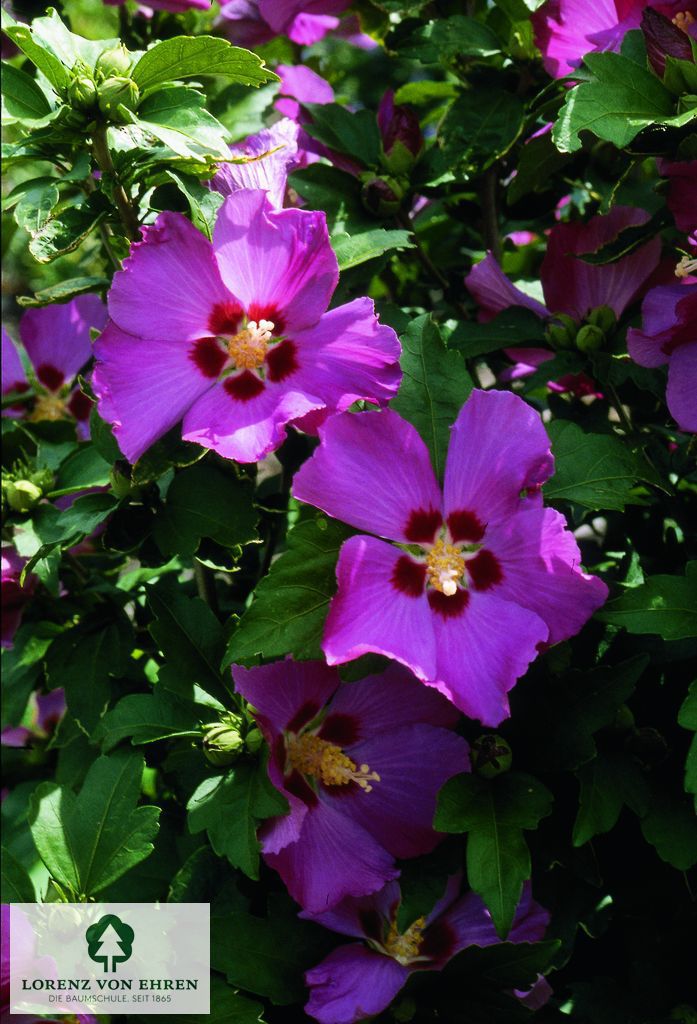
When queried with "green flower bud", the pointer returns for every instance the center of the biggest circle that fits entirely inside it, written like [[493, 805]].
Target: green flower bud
[[491, 756], [22, 495], [223, 741], [114, 62], [602, 317], [254, 741], [82, 93], [116, 93], [382, 195], [590, 339], [120, 484], [561, 331]]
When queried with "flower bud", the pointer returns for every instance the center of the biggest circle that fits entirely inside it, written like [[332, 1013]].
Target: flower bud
[[604, 318], [402, 140], [22, 495], [382, 196], [561, 331], [114, 62], [254, 741], [663, 39], [223, 741], [590, 339], [491, 756], [82, 93], [115, 93]]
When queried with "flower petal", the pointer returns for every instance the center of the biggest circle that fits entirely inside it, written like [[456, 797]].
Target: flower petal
[[288, 694], [681, 393], [246, 429], [351, 984], [413, 763], [362, 917], [369, 614], [498, 447], [57, 337], [332, 859], [482, 652], [494, 292], [144, 387], [170, 283], [278, 260], [540, 561], [377, 454], [13, 376], [273, 152]]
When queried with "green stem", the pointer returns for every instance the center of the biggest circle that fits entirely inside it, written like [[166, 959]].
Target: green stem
[[619, 409], [205, 585], [491, 215], [127, 213]]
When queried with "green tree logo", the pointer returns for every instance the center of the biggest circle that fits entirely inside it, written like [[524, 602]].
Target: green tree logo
[[109, 939]]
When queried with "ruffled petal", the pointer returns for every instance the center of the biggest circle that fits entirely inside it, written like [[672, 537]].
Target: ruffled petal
[[563, 31], [248, 428], [333, 858], [351, 984], [369, 614], [365, 917], [143, 387], [668, 317], [279, 261], [170, 285], [494, 292], [413, 763], [349, 355], [498, 448], [273, 151], [575, 287], [482, 652], [289, 694], [375, 454], [57, 337], [540, 563], [681, 393]]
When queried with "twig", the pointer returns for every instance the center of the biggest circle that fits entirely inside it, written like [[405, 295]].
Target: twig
[[492, 240], [124, 205]]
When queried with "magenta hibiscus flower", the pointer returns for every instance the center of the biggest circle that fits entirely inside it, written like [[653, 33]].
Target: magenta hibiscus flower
[[57, 340], [253, 22], [479, 575], [14, 595], [344, 756], [682, 196], [244, 347], [668, 334], [361, 979], [272, 154], [566, 30], [45, 712]]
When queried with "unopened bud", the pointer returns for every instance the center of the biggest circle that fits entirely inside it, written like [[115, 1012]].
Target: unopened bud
[[382, 195], [223, 741], [113, 62], [254, 741], [590, 339], [663, 39], [400, 130], [22, 495], [604, 318], [116, 93], [82, 93], [561, 331], [491, 756]]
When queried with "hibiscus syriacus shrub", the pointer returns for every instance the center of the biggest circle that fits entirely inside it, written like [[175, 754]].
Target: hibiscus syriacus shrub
[[349, 398]]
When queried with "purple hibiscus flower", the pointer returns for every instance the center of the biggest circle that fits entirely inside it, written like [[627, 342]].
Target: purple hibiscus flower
[[271, 155], [360, 764], [253, 22], [45, 711], [682, 195], [14, 595], [570, 285], [362, 978], [566, 30], [478, 577], [668, 334], [57, 340], [245, 346]]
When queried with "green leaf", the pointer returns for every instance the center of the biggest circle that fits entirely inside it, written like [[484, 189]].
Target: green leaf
[[24, 98], [176, 116], [83, 468], [17, 886], [480, 127], [607, 783], [687, 718], [34, 205], [538, 162], [203, 202], [671, 827], [515, 326], [68, 229], [506, 964], [83, 659], [64, 291], [336, 193], [350, 251], [620, 100], [355, 133], [434, 387], [89, 841], [447, 39], [243, 796], [266, 955], [494, 814], [227, 1007], [191, 56], [597, 471], [51, 32], [663, 605], [202, 501], [190, 637], [46, 61], [145, 718], [291, 602]]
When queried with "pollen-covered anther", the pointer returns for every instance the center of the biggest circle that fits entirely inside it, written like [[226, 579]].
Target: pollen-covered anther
[[404, 948], [248, 347], [686, 266], [311, 755], [48, 407], [445, 566], [683, 20]]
